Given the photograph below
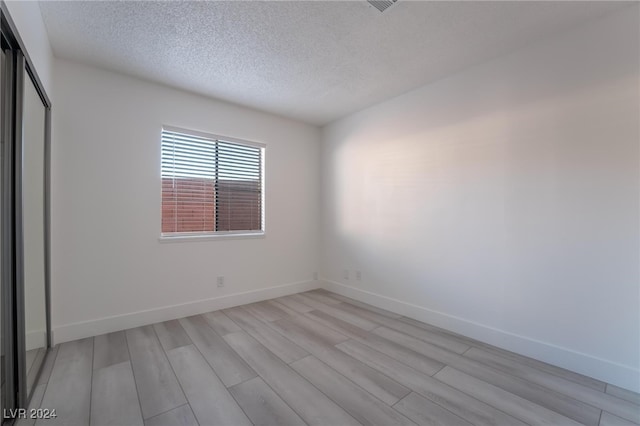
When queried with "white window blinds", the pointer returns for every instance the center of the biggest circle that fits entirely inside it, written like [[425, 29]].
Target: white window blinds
[[210, 185]]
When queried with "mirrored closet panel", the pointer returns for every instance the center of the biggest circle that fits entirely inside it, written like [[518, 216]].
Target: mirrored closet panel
[[2, 263], [7, 228], [33, 230], [24, 224]]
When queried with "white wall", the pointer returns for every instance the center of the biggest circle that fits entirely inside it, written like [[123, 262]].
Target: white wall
[[503, 202], [28, 20], [109, 270]]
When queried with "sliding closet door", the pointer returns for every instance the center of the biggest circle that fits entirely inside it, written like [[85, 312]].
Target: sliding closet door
[[2, 246], [33, 231], [7, 248], [24, 224]]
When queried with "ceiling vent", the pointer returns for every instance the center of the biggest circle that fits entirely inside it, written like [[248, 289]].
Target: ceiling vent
[[381, 5]]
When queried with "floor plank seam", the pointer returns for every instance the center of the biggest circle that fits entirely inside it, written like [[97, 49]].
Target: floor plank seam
[[347, 378], [471, 346], [293, 371], [439, 403], [530, 384], [319, 390], [544, 387], [281, 398], [93, 356], [378, 371], [133, 373], [443, 407], [48, 380], [483, 402], [239, 383], [554, 373], [164, 352], [167, 411], [312, 384], [372, 395], [439, 370], [364, 342], [238, 402], [472, 395], [216, 374]]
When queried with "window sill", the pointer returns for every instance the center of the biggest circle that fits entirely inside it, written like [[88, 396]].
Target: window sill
[[210, 237]]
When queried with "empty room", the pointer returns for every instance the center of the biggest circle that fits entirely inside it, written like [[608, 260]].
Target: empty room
[[321, 213]]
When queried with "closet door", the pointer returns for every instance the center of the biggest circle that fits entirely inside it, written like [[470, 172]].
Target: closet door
[[24, 224], [32, 194], [2, 246], [7, 228]]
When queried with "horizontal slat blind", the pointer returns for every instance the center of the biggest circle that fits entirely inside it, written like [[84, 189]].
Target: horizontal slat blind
[[209, 185]]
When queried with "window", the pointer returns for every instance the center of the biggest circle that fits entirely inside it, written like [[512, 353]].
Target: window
[[210, 185]]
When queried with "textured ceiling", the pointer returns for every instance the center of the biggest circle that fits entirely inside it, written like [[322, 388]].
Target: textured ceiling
[[315, 61]]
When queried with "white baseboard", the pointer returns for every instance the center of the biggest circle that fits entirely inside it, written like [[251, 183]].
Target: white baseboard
[[611, 372], [80, 330]]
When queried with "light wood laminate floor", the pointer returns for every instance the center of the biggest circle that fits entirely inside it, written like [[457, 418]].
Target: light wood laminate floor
[[315, 358]]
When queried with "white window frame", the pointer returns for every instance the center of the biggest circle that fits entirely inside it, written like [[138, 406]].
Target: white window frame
[[216, 235]]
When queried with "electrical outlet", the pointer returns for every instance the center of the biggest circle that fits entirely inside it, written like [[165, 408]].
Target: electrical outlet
[[358, 276], [315, 276], [220, 281], [345, 274]]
